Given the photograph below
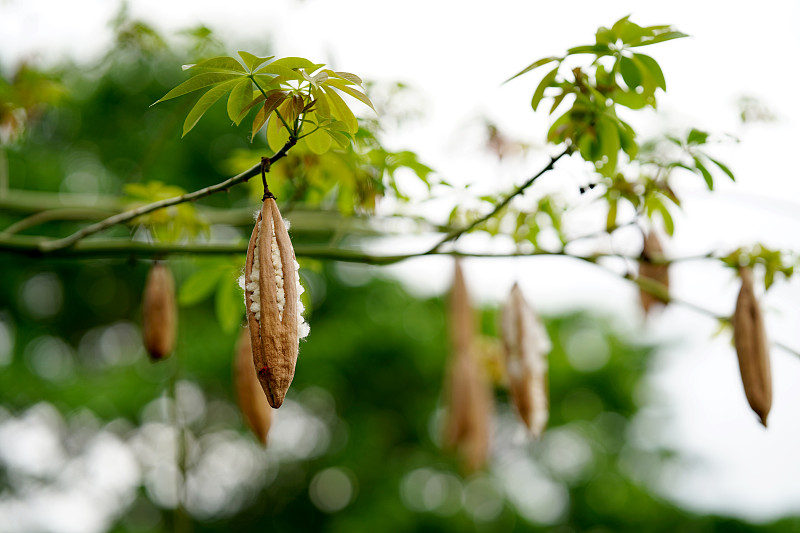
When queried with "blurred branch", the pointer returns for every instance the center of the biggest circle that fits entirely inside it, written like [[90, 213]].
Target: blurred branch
[[66, 213], [455, 234], [66, 242]]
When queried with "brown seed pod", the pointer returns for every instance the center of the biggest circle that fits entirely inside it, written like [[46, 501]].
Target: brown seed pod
[[526, 348], [649, 271], [272, 298], [467, 390], [159, 313], [249, 393], [750, 339]]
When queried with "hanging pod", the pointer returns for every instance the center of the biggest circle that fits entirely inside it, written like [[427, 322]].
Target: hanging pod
[[159, 312], [526, 347], [750, 339], [272, 298]]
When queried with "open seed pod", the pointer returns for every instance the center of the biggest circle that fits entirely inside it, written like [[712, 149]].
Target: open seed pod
[[159, 312], [658, 273], [469, 397], [526, 348], [272, 298], [251, 397], [750, 339]]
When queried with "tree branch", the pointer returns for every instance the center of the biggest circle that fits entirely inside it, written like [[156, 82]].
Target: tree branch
[[455, 234], [71, 240]]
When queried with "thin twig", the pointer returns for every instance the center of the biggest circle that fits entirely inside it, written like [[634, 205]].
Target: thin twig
[[455, 234], [66, 242]]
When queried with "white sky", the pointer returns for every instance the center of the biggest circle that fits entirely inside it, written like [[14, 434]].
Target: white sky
[[456, 57]]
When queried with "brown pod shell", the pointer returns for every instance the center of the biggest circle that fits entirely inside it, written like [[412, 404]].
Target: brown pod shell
[[648, 270], [750, 339], [252, 400], [467, 389], [159, 312], [273, 331], [526, 348]]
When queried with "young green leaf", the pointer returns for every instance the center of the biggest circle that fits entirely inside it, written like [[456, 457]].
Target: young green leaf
[[219, 64], [197, 82], [340, 110], [206, 101], [705, 173], [651, 66], [536, 64], [630, 72], [660, 38], [318, 142], [253, 62], [358, 95], [723, 168], [544, 84], [240, 96]]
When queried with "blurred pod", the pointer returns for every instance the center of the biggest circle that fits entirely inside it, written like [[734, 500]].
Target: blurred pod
[[469, 397], [750, 339], [653, 272], [159, 312], [526, 348], [272, 300], [250, 395]]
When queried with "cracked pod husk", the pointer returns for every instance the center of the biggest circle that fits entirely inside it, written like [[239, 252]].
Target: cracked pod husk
[[469, 397], [272, 298], [526, 348], [750, 339], [656, 272], [159, 312], [252, 400]]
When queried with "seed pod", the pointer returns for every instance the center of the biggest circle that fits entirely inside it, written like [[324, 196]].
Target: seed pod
[[272, 298], [252, 400], [159, 314], [750, 339], [648, 271], [526, 348], [467, 390]]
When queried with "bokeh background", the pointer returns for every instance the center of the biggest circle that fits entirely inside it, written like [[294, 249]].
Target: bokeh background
[[649, 428]]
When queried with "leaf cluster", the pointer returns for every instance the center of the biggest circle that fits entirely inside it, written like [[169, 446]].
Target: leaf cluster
[[293, 97], [616, 76]]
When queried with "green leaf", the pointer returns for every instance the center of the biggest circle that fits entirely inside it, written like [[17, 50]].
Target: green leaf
[[722, 167], [206, 101], [340, 138], [253, 62], [229, 304], [630, 72], [608, 138], [347, 76], [199, 286], [598, 49], [536, 64], [557, 100], [705, 173], [544, 84], [297, 62], [340, 110], [318, 142], [277, 135], [652, 67], [358, 95], [220, 64], [627, 139], [666, 216], [197, 82], [660, 38], [697, 137], [240, 96]]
